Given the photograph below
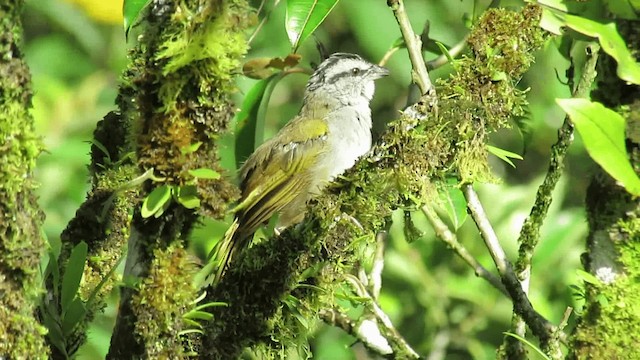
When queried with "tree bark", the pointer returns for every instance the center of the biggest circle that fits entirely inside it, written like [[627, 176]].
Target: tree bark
[[21, 242], [609, 327]]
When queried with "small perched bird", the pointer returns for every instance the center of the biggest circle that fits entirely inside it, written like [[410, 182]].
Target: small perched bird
[[331, 131]]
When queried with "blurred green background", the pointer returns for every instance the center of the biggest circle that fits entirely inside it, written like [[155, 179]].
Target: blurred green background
[[76, 51]]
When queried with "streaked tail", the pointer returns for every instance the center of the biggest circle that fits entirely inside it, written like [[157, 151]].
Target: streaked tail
[[219, 258]]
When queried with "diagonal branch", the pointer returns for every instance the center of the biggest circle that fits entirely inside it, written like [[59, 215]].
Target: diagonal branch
[[443, 232], [530, 232], [541, 327]]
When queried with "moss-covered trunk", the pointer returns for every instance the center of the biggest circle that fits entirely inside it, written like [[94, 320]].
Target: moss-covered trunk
[[176, 98], [21, 241], [610, 325]]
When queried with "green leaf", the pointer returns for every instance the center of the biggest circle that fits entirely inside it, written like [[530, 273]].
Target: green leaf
[[250, 119], [611, 42], [626, 9], [445, 52], [55, 272], [199, 315], [191, 148], [73, 316], [130, 11], [454, 203], [304, 17], [529, 344], [211, 304], [54, 333], [588, 277], [602, 131], [73, 274], [190, 331], [155, 201], [504, 154], [187, 196], [205, 173]]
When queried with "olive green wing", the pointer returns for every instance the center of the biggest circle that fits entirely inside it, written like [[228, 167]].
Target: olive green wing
[[278, 171]]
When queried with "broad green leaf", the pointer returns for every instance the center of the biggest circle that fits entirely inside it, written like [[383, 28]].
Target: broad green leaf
[[73, 274], [54, 333], [250, 119], [304, 17], [130, 11], [454, 204], [551, 22], [155, 201], [188, 196], [205, 173], [73, 316], [503, 154], [611, 42], [602, 131]]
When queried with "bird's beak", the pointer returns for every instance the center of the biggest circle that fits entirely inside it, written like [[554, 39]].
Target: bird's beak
[[378, 72]]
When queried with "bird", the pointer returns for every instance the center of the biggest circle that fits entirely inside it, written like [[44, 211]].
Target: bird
[[327, 136]]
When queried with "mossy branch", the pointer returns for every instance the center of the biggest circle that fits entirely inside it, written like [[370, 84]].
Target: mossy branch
[[306, 264]]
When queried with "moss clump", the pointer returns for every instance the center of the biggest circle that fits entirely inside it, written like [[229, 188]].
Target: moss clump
[[164, 296], [197, 55], [484, 85]]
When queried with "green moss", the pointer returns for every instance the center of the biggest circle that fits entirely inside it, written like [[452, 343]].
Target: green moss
[[269, 308], [164, 296], [21, 242], [609, 329], [198, 53], [483, 88]]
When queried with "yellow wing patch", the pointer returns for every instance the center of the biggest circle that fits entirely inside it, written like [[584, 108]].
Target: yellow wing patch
[[278, 171]]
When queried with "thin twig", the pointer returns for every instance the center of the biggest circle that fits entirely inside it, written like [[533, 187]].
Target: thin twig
[[262, 22], [540, 327], [446, 235], [387, 55], [389, 331], [337, 318], [414, 47]]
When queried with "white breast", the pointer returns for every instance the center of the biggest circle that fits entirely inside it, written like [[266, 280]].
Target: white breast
[[348, 139]]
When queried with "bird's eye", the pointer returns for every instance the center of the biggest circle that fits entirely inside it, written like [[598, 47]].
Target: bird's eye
[[355, 71]]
